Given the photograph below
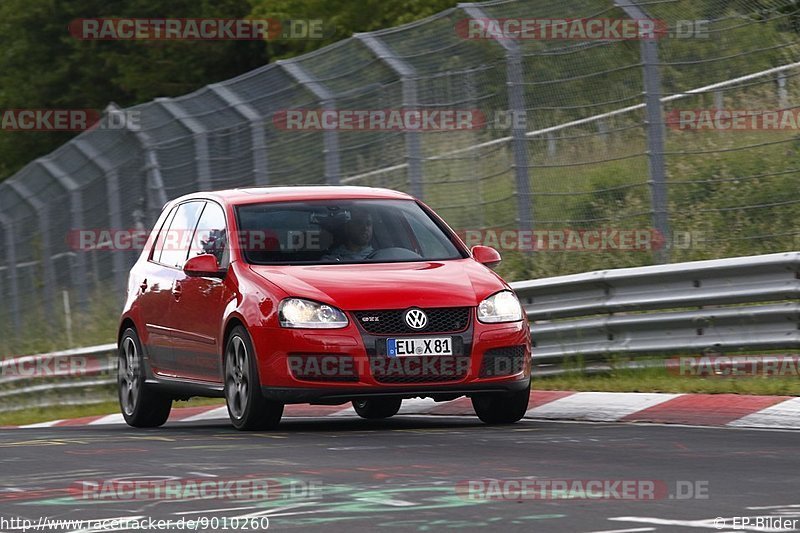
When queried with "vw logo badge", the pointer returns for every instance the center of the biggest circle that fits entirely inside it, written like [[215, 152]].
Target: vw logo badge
[[416, 318]]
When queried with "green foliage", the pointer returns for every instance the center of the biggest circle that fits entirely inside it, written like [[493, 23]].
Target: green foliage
[[342, 18], [43, 66], [96, 325]]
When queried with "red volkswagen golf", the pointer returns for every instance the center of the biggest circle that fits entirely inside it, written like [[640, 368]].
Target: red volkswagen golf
[[322, 295]]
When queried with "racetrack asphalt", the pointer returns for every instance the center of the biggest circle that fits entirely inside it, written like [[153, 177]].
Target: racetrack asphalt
[[409, 473]]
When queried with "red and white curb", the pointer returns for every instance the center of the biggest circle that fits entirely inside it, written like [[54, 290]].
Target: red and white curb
[[732, 410]]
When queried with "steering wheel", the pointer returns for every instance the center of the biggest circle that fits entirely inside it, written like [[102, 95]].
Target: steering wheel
[[394, 253]]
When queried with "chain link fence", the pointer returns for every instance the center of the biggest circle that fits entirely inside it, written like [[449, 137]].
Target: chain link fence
[[581, 135]]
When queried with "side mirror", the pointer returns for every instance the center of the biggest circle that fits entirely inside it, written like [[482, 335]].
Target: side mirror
[[204, 265], [486, 255]]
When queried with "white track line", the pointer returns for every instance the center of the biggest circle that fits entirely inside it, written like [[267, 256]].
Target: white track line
[[347, 411], [42, 424], [218, 413], [417, 406], [114, 419], [781, 415], [598, 406]]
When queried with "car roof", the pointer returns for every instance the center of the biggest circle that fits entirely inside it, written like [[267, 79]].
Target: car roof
[[253, 195]]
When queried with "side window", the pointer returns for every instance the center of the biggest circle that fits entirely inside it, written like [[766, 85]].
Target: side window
[[211, 235], [158, 247], [179, 236]]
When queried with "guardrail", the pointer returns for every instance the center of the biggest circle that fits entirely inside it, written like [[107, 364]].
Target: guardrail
[[743, 303], [740, 303], [71, 377]]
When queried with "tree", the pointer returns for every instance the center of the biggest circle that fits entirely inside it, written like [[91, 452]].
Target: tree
[[43, 66], [342, 18]]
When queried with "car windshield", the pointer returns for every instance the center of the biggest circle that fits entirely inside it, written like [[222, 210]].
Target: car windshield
[[341, 231]]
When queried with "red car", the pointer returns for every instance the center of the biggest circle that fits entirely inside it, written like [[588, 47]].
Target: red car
[[322, 295]]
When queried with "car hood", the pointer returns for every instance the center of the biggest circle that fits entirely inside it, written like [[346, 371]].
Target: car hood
[[457, 283]]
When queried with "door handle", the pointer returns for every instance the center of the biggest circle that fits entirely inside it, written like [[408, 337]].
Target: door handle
[[176, 290]]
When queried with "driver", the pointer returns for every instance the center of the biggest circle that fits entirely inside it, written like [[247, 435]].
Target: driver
[[358, 235]]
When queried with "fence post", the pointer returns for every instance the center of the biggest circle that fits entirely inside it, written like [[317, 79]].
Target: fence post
[[783, 91], [655, 130], [200, 135], [407, 75], [516, 104], [157, 194], [11, 257], [259, 146], [43, 215], [78, 267], [327, 100], [114, 203]]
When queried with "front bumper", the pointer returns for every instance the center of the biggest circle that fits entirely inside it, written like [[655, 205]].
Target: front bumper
[[334, 366]]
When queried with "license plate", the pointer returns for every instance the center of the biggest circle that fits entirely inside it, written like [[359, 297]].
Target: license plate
[[419, 346]]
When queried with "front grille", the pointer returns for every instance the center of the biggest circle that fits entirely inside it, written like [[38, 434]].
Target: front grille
[[420, 369], [504, 361], [323, 367], [392, 322]]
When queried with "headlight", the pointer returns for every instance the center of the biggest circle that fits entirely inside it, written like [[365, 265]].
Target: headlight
[[500, 307], [298, 313]]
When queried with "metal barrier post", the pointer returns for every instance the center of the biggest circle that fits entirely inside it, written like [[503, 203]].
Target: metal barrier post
[[326, 98], [408, 79], [259, 146], [78, 270]]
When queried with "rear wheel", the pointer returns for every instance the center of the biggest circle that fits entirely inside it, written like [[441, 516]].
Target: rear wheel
[[503, 407], [247, 407], [377, 408], [142, 406]]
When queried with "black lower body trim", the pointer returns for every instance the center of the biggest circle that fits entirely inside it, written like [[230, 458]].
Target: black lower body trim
[[336, 396]]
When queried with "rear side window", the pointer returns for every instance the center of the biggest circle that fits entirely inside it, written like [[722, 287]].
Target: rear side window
[[179, 235]]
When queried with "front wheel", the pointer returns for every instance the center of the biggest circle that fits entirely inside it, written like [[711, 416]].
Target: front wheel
[[142, 406], [377, 408], [503, 407], [247, 407]]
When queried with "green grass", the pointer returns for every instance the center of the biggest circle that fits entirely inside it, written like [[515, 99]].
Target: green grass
[[97, 325], [46, 414], [658, 380]]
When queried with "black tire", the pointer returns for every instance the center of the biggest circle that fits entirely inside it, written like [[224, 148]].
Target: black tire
[[247, 407], [377, 407], [142, 405], [502, 408]]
